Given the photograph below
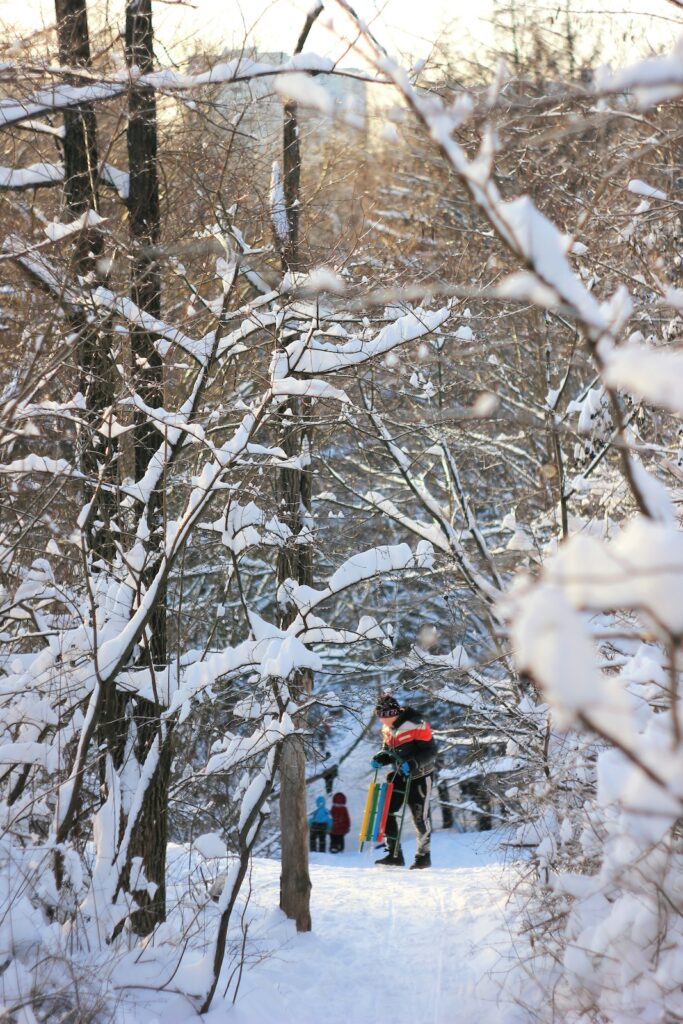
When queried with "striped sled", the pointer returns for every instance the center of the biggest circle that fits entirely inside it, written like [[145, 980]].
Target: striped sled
[[376, 812]]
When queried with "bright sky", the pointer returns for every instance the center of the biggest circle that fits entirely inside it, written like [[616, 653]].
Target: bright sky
[[275, 24], [407, 26]]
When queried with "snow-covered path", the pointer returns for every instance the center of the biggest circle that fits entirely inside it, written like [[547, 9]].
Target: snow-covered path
[[388, 945]]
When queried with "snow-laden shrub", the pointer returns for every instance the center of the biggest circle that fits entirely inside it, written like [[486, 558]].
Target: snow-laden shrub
[[602, 897]]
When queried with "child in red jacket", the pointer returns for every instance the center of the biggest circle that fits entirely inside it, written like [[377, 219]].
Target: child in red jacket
[[341, 823]]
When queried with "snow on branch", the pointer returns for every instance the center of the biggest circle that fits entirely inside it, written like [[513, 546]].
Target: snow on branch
[[116, 179], [538, 241], [102, 298], [44, 754], [441, 531], [301, 88], [254, 320], [652, 374], [240, 69], [57, 231], [244, 526], [431, 532], [640, 573], [317, 357], [641, 570], [34, 176], [242, 748], [49, 276], [527, 232], [313, 630], [365, 565], [308, 389], [553, 645], [272, 652], [652, 81], [39, 464]]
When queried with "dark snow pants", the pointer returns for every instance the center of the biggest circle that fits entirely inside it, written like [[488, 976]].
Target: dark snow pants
[[336, 844], [317, 837], [419, 797]]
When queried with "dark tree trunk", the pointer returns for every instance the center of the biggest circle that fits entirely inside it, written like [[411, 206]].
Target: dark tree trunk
[[485, 818], [150, 834], [291, 153], [291, 161], [79, 148], [445, 803], [295, 882], [96, 456], [144, 221], [145, 230], [80, 129], [295, 561]]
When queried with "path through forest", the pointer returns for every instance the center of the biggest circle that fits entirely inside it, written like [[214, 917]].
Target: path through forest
[[390, 946]]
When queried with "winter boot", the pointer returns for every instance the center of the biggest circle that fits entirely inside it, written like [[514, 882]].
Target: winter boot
[[392, 861], [422, 860]]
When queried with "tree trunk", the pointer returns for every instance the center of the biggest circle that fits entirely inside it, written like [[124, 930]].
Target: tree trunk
[[291, 162], [79, 147], [144, 221], [295, 561], [97, 462], [291, 153], [80, 129], [445, 803], [295, 882], [150, 834]]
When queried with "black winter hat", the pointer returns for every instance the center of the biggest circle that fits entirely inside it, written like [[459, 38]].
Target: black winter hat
[[386, 706]]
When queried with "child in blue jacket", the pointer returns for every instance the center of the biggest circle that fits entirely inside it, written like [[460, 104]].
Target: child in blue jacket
[[319, 824]]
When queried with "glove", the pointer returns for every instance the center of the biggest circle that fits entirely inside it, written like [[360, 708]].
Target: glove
[[404, 768], [375, 763]]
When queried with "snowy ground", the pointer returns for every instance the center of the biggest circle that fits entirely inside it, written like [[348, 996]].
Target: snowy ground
[[388, 945]]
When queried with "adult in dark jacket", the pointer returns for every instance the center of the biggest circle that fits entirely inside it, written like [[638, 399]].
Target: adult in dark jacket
[[341, 823], [407, 745]]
